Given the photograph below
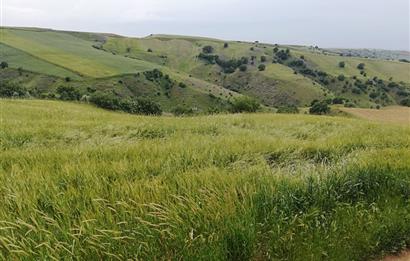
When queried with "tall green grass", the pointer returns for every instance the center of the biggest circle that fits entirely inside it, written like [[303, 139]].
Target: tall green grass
[[77, 182]]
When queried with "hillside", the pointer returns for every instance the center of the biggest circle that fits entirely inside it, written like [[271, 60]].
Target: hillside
[[78, 182], [43, 59]]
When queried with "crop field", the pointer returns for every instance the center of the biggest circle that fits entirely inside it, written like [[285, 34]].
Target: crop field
[[78, 182], [72, 53]]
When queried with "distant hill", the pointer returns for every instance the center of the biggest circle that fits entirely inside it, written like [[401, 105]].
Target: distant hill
[[198, 73], [374, 53]]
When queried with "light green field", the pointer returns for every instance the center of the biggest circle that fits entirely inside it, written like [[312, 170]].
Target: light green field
[[77, 182], [379, 68], [16, 59], [72, 53]]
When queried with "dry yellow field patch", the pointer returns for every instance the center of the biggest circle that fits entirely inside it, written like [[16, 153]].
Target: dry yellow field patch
[[393, 114]]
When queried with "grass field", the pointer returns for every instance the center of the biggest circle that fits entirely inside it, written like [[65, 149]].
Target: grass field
[[77, 182], [394, 114], [374, 68], [71, 52]]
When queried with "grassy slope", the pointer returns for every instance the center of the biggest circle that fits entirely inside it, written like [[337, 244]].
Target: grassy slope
[[17, 58], [80, 182], [181, 55], [380, 68], [70, 52]]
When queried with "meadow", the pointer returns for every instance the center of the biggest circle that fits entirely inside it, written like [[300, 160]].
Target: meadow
[[78, 182]]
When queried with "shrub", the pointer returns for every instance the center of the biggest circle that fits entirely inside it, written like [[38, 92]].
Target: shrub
[[342, 64], [405, 102], [181, 110], [226, 45], [263, 58], [338, 100], [404, 61], [244, 104], [149, 50], [4, 65], [361, 66], [208, 57], [283, 55], [341, 77], [146, 107], [373, 95], [262, 67], [182, 85], [8, 89], [207, 49], [67, 79], [68, 93], [105, 100], [243, 68], [275, 50], [153, 75], [319, 108], [297, 63], [288, 109]]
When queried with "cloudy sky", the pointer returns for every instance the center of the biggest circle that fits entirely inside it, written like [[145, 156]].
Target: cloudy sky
[[327, 23]]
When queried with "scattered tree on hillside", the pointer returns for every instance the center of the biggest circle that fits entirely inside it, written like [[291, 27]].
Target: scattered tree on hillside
[[149, 50], [276, 49], [342, 64], [226, 45], [262, 67], [207, 49], [361, 66], [341, 77], [4, 65], [319, 108], [243, 68], [68, 93], [263, 58], [8, 89], [244, 104]]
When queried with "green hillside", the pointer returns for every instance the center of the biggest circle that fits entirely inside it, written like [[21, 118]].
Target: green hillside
[[82, 183], [291, 75]]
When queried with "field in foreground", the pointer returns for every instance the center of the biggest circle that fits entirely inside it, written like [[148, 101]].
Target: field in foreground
[[78, 182]]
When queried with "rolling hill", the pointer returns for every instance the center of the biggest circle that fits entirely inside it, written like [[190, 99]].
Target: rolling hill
[[43, 59]]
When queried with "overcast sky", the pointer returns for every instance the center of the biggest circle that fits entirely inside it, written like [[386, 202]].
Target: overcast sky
[[327, 23]]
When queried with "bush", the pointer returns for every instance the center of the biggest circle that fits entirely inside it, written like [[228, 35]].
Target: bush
[[207, 49], [226, 45], [288, 109], [105, 100], [319, 108], [361, 66], [405, 102], [181, 110], [8, 89], [182, 85], [138, 106], [262, 67], [243, 68], [342, 64], [373, 95], [208, 57], [244, 104], [149, 50], [68, 93], [341, 77], [283, 55], [275, 50], [146, 107], [263, 58], [338, 100], [4, 65]]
